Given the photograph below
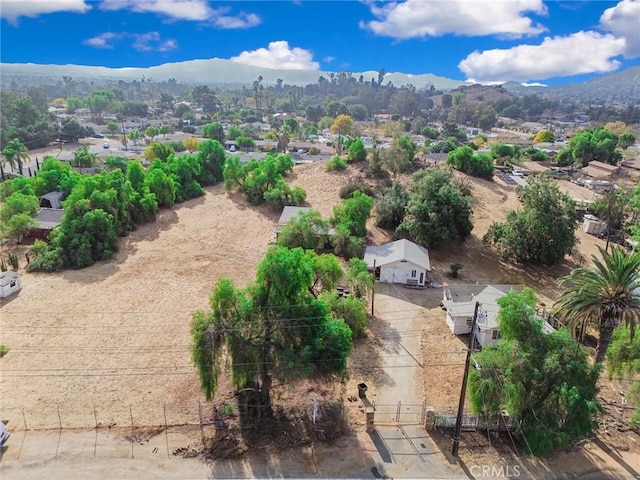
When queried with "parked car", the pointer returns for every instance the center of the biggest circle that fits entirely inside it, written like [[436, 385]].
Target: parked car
[[4, 435], [98, 135], [106, 146]]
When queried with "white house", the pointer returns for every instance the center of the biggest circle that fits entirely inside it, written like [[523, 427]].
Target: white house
[[459, 302], [10, 283], [401, 261]]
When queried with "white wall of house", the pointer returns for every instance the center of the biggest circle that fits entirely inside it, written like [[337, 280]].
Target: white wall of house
[[459, 325], [403, 272], [487, 337], [10, 283]]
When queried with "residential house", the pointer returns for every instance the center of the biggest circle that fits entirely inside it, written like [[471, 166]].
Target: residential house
[[601, 170], [401, 261], [459, 302], [47, 219]]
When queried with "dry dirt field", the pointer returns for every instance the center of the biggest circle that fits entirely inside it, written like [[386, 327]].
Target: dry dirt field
[[110, 343]]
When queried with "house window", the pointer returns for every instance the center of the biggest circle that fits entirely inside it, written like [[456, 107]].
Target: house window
[[495, 335], [413, 274]]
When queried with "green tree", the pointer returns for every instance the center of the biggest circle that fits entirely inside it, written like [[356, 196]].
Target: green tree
[[161, 185], [234, 132], [275, 329], [357, 152], [543, 380], [437, 213], [306, 230], [72, 131], [159, 151], [211, 157], [19, 225], [14, 153], [353, 213], [151, 132], [477, 165], [214, 131], [164, 130], [390, 206], [245, 143], [359, 278], [82, 157], [593, 144], [113, 127], [542, 232], [134, 136], [604, 296], [17, 204]]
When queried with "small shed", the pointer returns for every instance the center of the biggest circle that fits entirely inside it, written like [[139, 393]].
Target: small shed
[[401, 261], [10, 283], [593, 225], [51, 200], [47, 219]]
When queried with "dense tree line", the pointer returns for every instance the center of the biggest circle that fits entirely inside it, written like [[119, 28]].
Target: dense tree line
[[99, 208]]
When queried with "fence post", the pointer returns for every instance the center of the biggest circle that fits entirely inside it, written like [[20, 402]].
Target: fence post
[[59, 431], [166, 429], [131, 415], [398, 412], [95, 445], [201, 425]]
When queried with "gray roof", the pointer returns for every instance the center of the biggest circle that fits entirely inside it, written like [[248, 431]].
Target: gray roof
[[49, 218], [462, 301], [290, 212], [397, 251], [7, 277], [55, 199]]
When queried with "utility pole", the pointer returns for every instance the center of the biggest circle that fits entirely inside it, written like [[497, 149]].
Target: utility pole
[[124, 134], [463, 390]]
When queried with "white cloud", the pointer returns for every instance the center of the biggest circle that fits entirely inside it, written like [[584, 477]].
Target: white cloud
[[242, 20], [150, 42], [192, 10], [103, 40], [13, 9], [623, 21], [579, 53], [176, 9], [422, 18], [143, 42], [279, 55]]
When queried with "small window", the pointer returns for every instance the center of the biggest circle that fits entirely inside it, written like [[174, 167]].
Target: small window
[[13, 284], [413, 274], [495, 335]]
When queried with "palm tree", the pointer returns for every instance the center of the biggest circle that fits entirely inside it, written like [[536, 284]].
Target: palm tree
[[14, 152], [607, 295]]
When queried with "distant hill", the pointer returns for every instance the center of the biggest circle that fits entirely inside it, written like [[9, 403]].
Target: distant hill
[[214, 71], [623, 86]]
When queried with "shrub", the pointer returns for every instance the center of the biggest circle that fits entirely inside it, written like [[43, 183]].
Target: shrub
[[3, 350], [454, 270], [346, 191], [314, 151], [336, 163]]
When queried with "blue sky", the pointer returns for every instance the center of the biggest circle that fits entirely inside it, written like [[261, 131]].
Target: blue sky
[[487, 41]]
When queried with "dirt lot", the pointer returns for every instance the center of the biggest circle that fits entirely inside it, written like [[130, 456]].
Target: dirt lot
[[109, 344]]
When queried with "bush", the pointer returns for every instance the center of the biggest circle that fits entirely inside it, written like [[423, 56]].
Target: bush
[[454, 270], [346, 191], [3, 350], [336, 163], [189, 129], [314, 151]]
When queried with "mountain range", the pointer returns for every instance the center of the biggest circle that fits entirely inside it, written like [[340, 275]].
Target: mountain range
[[623, 86], [214, 71]]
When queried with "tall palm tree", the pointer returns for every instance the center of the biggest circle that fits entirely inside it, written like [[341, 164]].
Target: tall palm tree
[[14, 152], [606, 296]]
